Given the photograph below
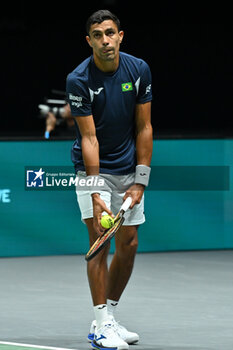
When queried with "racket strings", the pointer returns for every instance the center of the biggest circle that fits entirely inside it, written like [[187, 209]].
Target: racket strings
[[118, 216], [102, 239]]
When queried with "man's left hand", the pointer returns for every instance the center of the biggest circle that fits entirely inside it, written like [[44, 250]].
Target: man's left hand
[[136, 192]]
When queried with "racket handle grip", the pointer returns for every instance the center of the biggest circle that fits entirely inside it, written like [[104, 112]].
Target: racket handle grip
[[127, 203]]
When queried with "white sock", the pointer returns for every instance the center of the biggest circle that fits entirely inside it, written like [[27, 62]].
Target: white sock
[[101, 314], [112, 306]]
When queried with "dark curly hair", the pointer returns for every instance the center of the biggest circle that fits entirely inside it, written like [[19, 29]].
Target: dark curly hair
[[99, 17]]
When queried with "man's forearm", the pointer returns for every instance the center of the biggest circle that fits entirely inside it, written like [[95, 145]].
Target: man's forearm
[[144, 145], [90, 152]]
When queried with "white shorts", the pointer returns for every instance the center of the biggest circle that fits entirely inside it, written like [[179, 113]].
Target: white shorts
[[115, 188]]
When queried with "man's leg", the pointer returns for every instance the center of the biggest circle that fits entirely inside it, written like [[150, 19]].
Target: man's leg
[[97, 269], [123, 260], [119, 274]]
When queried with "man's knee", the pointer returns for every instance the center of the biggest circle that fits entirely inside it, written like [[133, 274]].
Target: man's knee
[[127, 244], [101, 257]]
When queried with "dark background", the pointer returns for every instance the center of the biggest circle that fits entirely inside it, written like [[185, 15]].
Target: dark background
[[191, 62]]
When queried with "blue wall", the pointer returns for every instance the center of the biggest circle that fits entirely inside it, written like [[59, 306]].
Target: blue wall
[[48, 222]]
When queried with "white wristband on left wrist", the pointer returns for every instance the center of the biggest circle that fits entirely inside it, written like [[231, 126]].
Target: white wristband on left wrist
[[142, 174]]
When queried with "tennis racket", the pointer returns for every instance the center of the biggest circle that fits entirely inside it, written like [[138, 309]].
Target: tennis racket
[[101, 241]]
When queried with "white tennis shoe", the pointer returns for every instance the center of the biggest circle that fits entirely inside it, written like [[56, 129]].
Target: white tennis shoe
[[127, 336], [124, 334], [107, 337]]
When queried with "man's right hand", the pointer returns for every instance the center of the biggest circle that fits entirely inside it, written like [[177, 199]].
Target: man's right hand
[[99, 207]]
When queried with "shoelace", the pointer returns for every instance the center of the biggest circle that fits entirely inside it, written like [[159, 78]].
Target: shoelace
[[117, 325], [107, 328]]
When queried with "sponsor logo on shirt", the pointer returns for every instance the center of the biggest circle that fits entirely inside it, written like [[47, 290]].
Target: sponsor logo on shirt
[[75, 100], [98, 91], [148, 88], [127, 86]]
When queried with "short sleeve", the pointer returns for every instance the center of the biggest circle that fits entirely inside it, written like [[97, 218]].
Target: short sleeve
[[145, 88], [78, 96]]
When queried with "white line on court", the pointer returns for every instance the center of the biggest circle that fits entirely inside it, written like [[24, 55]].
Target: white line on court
[[33, 346]]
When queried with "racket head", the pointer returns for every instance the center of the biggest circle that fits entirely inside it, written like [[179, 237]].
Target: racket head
[[103, 240]]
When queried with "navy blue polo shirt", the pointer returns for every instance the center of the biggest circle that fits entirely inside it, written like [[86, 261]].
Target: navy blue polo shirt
[[111, 99]]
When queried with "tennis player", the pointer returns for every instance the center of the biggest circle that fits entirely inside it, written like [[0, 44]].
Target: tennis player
[[110, 98]]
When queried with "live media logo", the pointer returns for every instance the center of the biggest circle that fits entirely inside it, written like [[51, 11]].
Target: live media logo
[[35, 178], [58, 178], [163, 178]]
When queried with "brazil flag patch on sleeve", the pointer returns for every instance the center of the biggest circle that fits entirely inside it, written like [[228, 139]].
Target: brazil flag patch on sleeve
[[127, 86]]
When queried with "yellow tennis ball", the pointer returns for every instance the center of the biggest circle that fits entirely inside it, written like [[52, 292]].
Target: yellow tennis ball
[[107, 221]]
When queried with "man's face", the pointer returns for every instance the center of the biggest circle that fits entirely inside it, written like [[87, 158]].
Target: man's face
[[105, 40]]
